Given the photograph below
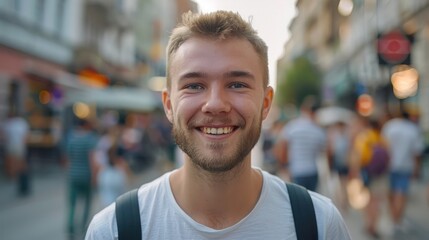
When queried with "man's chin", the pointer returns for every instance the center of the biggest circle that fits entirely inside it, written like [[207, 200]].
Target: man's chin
[[217, 166]]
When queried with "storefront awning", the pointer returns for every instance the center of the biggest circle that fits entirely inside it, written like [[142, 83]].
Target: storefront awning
[[120, 98]]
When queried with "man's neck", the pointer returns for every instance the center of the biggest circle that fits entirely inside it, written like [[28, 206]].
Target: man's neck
[[214, 200]]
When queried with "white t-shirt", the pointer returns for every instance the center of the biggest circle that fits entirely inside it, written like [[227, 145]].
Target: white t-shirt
[[306, 141], [271, 218], [15, 130], [405, 143]]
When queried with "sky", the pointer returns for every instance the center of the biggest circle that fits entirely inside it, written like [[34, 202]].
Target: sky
[[270, 18]]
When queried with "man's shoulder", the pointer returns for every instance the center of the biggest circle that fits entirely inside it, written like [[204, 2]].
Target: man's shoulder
[[103, 224], [320, 201], [156, 183], [329, 219]]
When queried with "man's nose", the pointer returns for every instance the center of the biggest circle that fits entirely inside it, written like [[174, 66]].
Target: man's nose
[[217, 101]]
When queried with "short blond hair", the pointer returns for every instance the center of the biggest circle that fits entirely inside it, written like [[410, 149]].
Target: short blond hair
[[217, 25]]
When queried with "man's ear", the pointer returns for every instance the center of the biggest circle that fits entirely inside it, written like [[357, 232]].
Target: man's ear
[[268, 99], [166, 102]]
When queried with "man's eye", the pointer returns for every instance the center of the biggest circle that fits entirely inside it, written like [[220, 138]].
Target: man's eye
[[194, 86], [237, 85]]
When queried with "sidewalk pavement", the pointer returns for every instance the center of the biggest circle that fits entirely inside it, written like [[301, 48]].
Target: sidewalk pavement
[[42, 214], [416, 218]]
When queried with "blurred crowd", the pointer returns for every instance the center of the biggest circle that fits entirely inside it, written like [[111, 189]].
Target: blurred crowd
[[360, 162], [101, 155]]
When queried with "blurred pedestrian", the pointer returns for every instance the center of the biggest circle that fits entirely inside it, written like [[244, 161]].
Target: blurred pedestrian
[[406, 145], [302, 142], [82, 172], [338, 153], [162, 139], [217, 97], [270, 136], [114, 177], [16, 133], [105, 142], [130, 142], [363, 156]]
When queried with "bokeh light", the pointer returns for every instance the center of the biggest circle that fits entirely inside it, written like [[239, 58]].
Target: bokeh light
[[404, 81], [345, 7], [365, 105], [44, 97], [157, 83], [81, 110], [358, 194]]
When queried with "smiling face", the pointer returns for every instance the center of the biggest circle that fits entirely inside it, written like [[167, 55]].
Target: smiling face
[[216, 101]]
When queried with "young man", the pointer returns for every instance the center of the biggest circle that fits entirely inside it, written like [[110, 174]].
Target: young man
[[216, 99]]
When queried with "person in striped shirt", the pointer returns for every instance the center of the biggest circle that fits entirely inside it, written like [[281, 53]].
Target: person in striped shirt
[[82, 170], [302, 141]]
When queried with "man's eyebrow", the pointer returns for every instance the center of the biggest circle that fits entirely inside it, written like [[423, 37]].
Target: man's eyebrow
[[192, 75], [230, 74], [239, 74]]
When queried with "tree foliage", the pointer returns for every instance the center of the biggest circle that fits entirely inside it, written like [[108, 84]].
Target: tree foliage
[[302, 79]]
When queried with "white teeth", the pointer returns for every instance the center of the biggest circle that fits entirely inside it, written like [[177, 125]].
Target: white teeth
[[217, 131]]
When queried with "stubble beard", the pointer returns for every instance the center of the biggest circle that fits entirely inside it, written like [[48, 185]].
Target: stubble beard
[[217, 162]]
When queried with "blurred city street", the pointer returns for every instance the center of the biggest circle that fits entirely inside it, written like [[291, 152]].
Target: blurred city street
[[42, 215], [81, 86]]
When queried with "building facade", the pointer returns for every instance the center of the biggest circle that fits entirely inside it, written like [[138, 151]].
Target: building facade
[[342, 38], [56, 52]]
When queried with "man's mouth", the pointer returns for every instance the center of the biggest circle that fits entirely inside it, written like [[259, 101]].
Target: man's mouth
[[216, 131]]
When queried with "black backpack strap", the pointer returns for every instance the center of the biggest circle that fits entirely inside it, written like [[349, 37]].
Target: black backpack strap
[[304, 216], [128, 216], [129, 224]]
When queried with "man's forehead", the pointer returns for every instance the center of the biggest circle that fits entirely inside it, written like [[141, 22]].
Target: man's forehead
[[194, 41], [204, 48]]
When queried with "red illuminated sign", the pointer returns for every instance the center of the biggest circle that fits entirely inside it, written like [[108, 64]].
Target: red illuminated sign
[[394, 48]]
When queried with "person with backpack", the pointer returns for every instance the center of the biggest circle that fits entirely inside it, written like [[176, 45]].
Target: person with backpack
[[216, 98], [369, 162]]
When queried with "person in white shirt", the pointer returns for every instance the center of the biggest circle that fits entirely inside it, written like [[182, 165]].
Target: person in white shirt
[[114, 177], [406, 144], [216, 99], [16, 132], [301, 143]]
